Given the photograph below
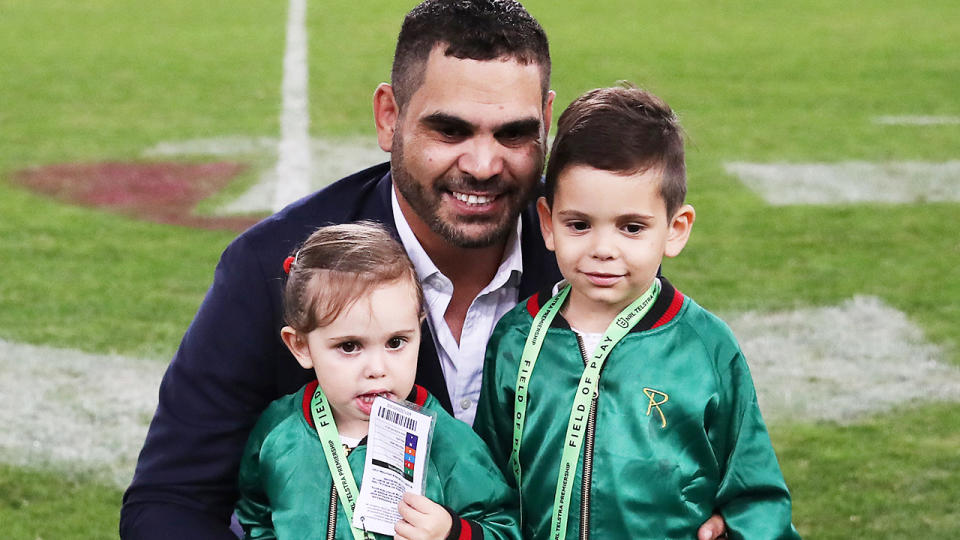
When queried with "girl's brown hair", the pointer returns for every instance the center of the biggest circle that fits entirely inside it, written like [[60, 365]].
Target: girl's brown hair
[[336, 265]]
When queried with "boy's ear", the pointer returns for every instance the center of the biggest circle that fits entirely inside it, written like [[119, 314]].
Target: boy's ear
[[546, 224], [297, 343], [679, 230], [386, 114]]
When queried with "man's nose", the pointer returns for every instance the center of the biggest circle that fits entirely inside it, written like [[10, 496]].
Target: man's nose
[[482, 158]]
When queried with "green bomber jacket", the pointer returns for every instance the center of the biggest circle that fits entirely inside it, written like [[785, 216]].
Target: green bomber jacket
[[287, 490], [673, 435]]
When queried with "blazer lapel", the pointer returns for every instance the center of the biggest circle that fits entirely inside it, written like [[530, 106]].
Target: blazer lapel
[[429, 371]]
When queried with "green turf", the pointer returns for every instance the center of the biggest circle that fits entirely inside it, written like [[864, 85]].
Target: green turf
[[753, 81], [49, 506], [891, 477]]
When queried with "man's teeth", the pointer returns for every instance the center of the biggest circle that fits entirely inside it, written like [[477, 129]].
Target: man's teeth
[[472, 199]]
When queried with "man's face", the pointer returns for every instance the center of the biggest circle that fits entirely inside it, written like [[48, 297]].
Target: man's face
[[468, 148]]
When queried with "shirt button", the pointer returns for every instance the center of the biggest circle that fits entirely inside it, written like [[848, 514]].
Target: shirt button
[[465, 403]]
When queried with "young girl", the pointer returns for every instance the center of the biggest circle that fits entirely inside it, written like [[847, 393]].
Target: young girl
[[353, 308]]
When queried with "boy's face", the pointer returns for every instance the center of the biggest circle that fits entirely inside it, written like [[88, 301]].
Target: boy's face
[[370, 349], [610, 232]]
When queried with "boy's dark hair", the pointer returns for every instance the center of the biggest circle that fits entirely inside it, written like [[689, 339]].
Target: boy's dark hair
[[624, 130], [467, 29], [336, 265]]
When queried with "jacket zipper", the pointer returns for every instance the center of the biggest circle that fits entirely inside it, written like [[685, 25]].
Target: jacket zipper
[[587, 476], [332, 519], [334, 497]]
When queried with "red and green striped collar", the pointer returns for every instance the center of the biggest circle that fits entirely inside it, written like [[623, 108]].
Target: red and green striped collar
[[664, 309], [418, 395]]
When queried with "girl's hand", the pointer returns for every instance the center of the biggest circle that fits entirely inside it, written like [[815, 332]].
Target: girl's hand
[[423, 519]]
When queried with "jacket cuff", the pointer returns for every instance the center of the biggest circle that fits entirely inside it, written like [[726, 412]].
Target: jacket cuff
[[463, 529]]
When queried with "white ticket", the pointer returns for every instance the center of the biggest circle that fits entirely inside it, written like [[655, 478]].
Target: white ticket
[[398, 446]]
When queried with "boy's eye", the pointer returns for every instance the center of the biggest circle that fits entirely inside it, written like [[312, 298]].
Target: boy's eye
[[578, 225], [396, 342], [633, 228], [349, 347]]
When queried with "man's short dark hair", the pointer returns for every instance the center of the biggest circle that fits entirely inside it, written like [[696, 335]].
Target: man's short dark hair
[[623, 130], [467, 29]]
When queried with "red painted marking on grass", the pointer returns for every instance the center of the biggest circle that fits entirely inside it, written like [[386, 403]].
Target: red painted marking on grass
[[161, 192]]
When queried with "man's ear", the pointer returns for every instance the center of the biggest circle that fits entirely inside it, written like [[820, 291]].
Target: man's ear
[[548, 113], [679, 230], [297, 343], [546, 224], [386, 114]]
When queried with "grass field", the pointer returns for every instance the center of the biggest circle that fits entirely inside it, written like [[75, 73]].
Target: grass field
[[763, 82]]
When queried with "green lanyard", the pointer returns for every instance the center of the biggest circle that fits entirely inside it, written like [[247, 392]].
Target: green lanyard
[[586, 391], [336, 459]]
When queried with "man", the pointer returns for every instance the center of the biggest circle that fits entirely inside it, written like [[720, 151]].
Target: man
[[466, 121]]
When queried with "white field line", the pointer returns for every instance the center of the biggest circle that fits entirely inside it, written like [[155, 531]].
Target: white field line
[[917, 120], [293, 151], [851, 182], [841, 363], [228, 146], [331, 159], [75, 411], [66, 409]]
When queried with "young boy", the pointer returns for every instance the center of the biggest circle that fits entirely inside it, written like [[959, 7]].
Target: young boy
[[354, 307], [640, 419]]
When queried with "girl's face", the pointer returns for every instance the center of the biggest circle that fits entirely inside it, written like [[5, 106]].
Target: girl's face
[[369, 350]]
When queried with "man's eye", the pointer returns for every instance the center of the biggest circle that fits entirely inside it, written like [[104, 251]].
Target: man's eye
[[349, 347], [396, 342], [511, 138], [452, 133]]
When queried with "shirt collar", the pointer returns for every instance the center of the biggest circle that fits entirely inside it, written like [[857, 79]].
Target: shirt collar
[[511, 267]]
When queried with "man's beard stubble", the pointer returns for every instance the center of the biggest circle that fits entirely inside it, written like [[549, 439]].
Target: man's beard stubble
[[426, 202]]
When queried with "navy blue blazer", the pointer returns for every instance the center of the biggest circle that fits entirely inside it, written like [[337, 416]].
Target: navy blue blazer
[[231, 363]]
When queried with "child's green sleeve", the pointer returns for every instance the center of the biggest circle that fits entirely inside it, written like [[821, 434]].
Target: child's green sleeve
[[253, 509], [473, 486], [493, 422], [753, 496]]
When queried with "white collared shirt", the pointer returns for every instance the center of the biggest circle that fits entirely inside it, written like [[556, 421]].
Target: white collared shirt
[[462, 363]]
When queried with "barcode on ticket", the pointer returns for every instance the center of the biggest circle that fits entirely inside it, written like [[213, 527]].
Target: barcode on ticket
[[399, 419]]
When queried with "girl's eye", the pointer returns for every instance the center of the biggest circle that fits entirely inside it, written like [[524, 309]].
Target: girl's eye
[[396, 342], [349, 347]]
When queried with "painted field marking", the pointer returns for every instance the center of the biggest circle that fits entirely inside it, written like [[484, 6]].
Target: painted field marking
[[75, 411], [293, 152], [228, 146], [851, 182], [331, 159], [917, 120], [841, 362]]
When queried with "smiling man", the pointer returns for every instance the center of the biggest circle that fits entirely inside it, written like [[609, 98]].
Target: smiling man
[[465, 120], [464, 155]]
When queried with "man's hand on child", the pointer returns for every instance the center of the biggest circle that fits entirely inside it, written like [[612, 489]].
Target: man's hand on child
[[423, 519], [713, 528]]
